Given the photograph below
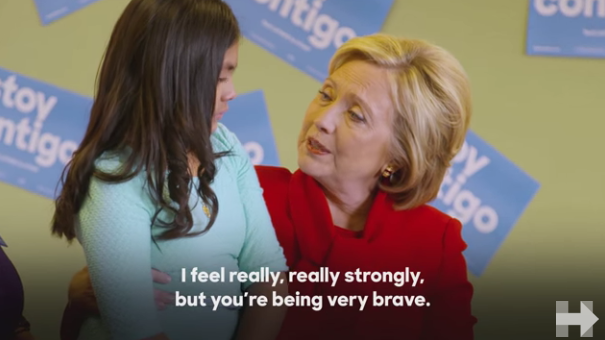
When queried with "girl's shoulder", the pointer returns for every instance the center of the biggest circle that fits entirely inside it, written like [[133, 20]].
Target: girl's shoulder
[[237, 159], [224, 139], [125, 191]]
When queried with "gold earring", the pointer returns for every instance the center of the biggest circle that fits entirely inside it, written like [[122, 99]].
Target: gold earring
[[388, 171]]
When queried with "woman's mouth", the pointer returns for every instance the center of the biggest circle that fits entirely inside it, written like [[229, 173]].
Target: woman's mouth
[[315, 147]]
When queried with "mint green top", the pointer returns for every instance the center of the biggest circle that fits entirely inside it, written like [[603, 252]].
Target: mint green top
[[114, 230]]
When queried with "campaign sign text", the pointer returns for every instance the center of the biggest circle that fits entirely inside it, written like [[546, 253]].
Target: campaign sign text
[[567, 28], [306, 33], [488, 194], [249, 120], [52, 10], [40, 128]]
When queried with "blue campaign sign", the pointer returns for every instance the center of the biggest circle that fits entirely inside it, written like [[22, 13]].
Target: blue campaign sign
[[566, 28], [2, 243], [249, 120], [52, 10], [306, 33], [488, 194], [40, 127]]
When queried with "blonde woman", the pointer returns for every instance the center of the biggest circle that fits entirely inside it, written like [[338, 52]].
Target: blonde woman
[[374, 146]]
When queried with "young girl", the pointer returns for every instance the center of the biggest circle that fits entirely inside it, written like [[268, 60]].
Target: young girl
[[145, 186]]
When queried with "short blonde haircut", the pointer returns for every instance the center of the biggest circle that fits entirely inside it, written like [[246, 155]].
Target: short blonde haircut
[[432, 105]]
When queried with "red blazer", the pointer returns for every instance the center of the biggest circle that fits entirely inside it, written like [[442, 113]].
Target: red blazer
[[422, 240]]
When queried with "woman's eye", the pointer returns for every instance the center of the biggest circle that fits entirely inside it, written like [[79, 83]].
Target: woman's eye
[[324, 96], [356, 116]]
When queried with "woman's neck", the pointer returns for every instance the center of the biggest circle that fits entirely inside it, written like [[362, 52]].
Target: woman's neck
[[350, 205]]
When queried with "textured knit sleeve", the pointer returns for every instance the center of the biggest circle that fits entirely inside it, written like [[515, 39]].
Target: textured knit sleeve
[[114, 230], [261, 247]]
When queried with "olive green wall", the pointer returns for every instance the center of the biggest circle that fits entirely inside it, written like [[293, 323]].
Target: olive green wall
[[544, 114]]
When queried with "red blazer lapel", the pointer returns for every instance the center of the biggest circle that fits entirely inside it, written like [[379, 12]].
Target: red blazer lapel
[[380, 214], [275, 182], [311, 218]]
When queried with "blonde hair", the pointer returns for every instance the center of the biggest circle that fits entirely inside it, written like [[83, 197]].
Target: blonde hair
[[432, 104]]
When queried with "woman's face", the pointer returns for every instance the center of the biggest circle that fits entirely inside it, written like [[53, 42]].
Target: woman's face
[[348, 126], [225, 91]]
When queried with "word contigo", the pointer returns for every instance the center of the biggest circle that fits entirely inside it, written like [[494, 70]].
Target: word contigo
[[315, 302], [463, 204], [325, 29], [571, 8], [26, 134], [255, 152], [323, 275]]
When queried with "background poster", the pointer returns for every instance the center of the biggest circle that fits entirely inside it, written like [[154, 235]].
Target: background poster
[[306, 33], [249, 120], [573, 28], [488, 194], [52, 10], [40, 127]]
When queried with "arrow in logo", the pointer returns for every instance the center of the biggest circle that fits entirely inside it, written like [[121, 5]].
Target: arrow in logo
[[585, 319]]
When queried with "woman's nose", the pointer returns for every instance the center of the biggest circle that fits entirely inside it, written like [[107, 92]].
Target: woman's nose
[[325, 121]]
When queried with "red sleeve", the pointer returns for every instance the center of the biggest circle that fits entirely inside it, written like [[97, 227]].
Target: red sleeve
[[275, 182], [450, 315]]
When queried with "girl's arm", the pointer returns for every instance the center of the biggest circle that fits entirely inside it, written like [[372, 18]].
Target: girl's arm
[[115, 232]]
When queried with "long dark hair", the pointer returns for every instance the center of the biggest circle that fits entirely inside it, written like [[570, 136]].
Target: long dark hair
[[155, 96]]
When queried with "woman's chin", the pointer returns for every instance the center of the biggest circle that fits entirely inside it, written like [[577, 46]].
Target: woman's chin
[[310, 166], [305, 160]]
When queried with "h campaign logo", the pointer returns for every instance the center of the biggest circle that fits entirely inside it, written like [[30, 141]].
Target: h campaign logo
[[52, 10], [572, 28], [40, 128], [306, 33], [488, 194], [585, 319]]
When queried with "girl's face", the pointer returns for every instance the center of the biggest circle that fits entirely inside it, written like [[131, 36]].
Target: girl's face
[[225, 91]]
